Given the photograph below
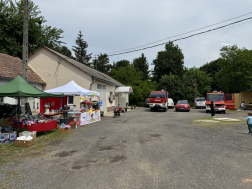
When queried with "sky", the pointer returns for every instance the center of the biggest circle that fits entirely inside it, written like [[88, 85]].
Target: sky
[[114, 25]]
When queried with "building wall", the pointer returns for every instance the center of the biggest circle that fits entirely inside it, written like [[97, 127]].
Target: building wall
[[246, 96], [57, 72], [237, 100], [109, 88]]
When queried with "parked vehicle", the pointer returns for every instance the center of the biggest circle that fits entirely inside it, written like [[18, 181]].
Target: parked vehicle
[[218, 100], [200, 102], [182, 105], [147, 102], [170, 103], [158, 100]]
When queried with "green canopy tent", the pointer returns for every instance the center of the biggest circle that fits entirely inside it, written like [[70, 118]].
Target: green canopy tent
[[18, 87]]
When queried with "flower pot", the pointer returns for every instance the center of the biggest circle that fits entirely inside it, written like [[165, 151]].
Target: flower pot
[[125, 110], [101, 114]]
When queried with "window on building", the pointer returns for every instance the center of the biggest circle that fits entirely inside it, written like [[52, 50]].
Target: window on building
[[70, 100], [33, 105], [1, 99], [229, 97], [37, 105]]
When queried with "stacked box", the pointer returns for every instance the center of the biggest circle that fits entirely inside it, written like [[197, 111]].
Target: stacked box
[[33, 134], [64, 130], [8, 137], [24, 143], [7, 122]]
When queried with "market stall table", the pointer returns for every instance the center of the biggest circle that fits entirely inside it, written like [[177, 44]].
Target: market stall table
[[39, 126]]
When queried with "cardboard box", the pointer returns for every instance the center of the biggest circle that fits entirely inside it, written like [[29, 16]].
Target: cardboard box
[[8, 137], [4, 137], [24, 143], [7, 122], [33, 134], [64, 130]]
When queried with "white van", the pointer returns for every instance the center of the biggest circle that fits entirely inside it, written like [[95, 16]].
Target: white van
[[170, 103], [200, 102]]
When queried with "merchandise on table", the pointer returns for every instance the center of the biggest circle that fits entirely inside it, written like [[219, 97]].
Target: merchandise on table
[[64, 126]]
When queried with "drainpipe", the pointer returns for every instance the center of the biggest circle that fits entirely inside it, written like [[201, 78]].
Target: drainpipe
[[91, 85]]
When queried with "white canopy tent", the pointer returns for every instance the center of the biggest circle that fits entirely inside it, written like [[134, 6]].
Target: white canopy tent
[[71, 89]]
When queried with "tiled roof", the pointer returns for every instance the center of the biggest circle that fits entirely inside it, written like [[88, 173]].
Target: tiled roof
[[93, 72], [11, 67]]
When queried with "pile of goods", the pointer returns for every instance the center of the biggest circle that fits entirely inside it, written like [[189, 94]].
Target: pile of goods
[[64, 128]]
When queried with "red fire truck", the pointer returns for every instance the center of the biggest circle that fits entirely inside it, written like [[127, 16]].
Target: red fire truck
[[218, 100], [158, 100]]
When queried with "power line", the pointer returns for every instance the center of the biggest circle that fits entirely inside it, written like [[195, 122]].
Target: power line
[[218, 28], [182, 33]]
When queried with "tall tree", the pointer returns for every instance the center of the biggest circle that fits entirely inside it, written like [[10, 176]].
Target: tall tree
[[63, 50], [201, 78], [121, 63], [142, 65], [129, 76], [235, 69], [169, 61], [11, 30], [102, 63], [174, 86], [211, 69], [81, 50]]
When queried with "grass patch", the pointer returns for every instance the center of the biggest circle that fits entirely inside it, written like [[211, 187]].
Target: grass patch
[[11, 153], [220, 124]]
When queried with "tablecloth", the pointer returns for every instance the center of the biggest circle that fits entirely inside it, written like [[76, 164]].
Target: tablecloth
[[39, 126]]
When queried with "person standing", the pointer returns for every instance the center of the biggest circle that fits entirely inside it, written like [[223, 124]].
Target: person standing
[[249, 122], [212, 109]]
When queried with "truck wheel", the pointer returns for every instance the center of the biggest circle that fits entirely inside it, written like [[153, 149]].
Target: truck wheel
[[151, 109], [165, 110], [206, 111], [224, 112]]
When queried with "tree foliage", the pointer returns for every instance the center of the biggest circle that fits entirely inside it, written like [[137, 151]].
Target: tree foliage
[[201, 78], [142, 65], [129, 76], [169, 61], [211, 69], [102, 63], [11, 30], [81, 50], [121, 63], [235, 69], [63, 50]]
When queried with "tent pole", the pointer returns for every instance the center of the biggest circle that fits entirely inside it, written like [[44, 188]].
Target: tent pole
[[63, 109], [18, 110]]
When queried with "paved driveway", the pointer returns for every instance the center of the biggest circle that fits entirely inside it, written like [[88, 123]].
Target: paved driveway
[[143, 149]]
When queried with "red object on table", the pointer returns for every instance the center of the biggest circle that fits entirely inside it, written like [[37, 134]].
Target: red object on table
[[39, 126]]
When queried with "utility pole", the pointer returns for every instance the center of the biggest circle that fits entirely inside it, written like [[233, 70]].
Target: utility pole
[[95, 61], [25, 49], [25, 42]]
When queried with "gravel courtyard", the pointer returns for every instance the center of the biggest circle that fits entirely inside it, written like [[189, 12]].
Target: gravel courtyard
[[142, 149]]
